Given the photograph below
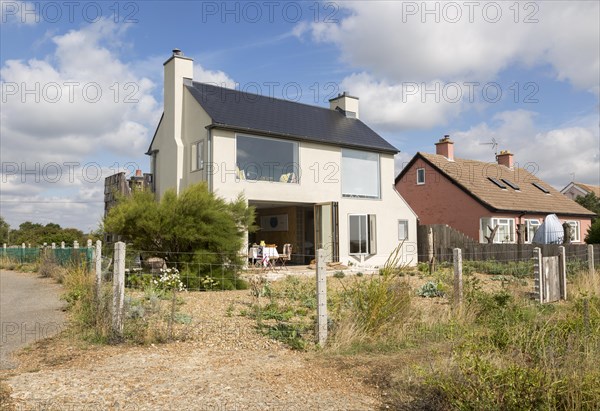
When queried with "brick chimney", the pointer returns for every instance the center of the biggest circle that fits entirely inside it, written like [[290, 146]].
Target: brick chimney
[[347, 103], [445, 147], [505, 158]]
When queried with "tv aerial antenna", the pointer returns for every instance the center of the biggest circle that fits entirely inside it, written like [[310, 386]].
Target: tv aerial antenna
[[492, 143]]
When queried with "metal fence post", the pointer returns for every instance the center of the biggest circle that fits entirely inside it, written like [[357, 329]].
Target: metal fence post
[[562, 271], [321, 298], [590, 258], [538, 274], [458, 282], [22, 253], [118, 288]]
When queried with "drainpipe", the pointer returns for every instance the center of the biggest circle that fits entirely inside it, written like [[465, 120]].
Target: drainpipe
[[210, 166]]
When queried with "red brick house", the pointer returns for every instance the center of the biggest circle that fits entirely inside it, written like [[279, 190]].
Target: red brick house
[[475, 197]]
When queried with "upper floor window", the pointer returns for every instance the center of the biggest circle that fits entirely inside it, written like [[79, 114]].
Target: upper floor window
[[420, 176], [267, 159], [360, 174]]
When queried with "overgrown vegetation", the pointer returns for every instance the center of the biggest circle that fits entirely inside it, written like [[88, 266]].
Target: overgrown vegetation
[[195, 231], [288, 311]]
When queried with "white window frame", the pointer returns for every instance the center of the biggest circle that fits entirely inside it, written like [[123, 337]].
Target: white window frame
[[348, 190], [531, 226], [404, 225], [504, 222], [369, 230], [575, 230], [420, 181], [197, 156]]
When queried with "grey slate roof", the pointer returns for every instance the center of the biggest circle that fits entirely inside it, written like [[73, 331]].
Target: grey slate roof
[[237, 110]]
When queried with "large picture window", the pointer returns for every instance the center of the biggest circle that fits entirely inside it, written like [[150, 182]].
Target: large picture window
[[267, 159], [360, 174], [363, 234]]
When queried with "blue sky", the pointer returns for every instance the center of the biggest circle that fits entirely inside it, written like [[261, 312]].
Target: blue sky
[[60, 138]]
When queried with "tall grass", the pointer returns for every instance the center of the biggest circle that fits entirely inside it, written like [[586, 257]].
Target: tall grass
[[371, 312], [517, 354]]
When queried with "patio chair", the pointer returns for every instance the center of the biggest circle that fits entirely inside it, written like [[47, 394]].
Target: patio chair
[[286, 255]]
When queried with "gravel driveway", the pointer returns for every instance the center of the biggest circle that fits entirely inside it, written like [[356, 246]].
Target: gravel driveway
[[30, 310], [226, 365]]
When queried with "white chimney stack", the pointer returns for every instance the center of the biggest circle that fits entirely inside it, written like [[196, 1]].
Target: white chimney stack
[[176, 69], [347, 103]]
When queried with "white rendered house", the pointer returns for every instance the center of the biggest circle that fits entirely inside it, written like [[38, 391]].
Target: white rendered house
[[318, 177]]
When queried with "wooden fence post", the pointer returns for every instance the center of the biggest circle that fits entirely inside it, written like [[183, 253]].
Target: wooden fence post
[[321, 298], [590, 258], [430, 245], [538, 273], [458, 282], [118, 288], [98, 261], [562, 271]]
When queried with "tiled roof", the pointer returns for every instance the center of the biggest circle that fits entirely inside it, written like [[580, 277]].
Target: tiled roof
[[242, 111], [472, 177], [589, 188]]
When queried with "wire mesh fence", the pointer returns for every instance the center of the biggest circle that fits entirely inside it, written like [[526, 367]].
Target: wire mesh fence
[[61, 256]]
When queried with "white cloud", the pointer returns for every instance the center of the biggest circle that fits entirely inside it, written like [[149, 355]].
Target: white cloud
[[400, 44], [391, 42], [395, 107], [216, 77], [77, 96], [19, 12], [79, 104], [555, 155]]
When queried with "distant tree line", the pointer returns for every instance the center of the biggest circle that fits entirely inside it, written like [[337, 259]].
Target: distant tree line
[[37, 234]]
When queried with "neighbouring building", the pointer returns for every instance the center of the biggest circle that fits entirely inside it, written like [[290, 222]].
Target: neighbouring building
[[480, 199], [574, 190], [119, 185], [318, 177]]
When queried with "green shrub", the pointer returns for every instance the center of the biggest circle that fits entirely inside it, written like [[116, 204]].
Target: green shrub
[[430, 289]]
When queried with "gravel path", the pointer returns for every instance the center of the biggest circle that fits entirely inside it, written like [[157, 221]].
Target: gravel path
[[225, 366], [30, 310]]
